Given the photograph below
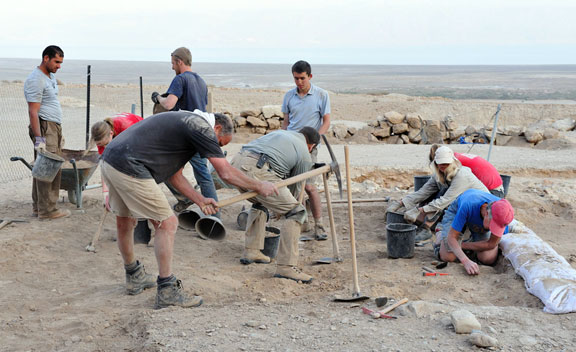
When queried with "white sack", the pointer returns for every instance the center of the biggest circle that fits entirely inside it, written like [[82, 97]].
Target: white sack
[[547, 275]]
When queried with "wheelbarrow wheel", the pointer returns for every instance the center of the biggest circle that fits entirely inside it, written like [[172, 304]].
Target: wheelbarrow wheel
[[72, 196]]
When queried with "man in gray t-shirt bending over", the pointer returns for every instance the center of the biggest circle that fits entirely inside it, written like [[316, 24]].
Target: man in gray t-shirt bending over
[[274, 157]]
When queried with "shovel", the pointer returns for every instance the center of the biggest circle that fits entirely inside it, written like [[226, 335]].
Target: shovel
[[356, 295], [336, 252]]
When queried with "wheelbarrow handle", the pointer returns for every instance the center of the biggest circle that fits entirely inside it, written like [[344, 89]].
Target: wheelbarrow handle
[[16, 158]]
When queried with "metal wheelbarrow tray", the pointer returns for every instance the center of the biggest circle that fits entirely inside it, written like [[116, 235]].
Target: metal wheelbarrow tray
[[76, 172]]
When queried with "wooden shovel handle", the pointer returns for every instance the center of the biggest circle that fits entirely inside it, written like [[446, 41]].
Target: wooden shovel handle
[[394, 306]]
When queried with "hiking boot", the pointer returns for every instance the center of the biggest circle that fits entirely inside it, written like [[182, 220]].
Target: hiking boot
[[292, 273], [320, 233], [56, 214], [423, 235], [139, 281], [171, 294], [254, 256]]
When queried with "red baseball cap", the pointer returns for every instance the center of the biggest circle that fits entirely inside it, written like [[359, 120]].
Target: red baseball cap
[[502, 215]]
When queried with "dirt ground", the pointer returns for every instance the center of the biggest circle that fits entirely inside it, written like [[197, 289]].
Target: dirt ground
[[58, 297]]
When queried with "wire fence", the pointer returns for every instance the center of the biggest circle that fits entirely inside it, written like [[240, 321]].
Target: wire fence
[[105, 100]]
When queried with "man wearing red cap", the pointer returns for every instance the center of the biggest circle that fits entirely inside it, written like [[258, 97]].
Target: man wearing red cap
[[486, 216]]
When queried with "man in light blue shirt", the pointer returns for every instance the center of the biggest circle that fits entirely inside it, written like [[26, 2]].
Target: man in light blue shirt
[[45, 114], [308, 106]]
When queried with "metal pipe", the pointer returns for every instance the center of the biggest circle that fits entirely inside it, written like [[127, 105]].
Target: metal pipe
[[88, 74]]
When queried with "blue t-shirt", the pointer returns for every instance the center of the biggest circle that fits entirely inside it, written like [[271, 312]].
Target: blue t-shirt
[[308, 110], [191, 91], [468, 214]]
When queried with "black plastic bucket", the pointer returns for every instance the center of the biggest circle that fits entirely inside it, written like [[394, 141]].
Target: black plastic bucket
[[142, 233], [188, 218], [395, 218], [420, 181], [400, 240], [505, 183], [271, 243], [242, 219]]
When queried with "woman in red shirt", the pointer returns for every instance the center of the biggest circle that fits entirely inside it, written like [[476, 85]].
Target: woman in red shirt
[[103, 131]]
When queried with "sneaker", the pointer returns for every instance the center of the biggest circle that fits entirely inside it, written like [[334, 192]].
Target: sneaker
[[254, 256], [56, 214], [292, 273], [182, 205], [423, 235], [171, 294], [139, 281]]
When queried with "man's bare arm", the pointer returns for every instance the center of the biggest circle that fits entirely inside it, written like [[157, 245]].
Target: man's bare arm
[[482, 246], [286, 121], [325, 124], [169, 102], [33, 109], [233, 176]]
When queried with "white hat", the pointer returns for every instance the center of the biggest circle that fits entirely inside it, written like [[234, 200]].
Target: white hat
[[444, 155]]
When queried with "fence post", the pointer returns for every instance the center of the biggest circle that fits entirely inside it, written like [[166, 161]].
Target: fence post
[[87, 106], [141, 100]]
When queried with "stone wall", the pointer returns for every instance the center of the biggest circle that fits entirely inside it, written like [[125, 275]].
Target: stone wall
[[398, 128]]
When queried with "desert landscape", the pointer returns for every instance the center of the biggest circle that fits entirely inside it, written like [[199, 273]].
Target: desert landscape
[[56, 296]]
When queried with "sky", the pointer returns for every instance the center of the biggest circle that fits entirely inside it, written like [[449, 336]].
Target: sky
[[382, 32]]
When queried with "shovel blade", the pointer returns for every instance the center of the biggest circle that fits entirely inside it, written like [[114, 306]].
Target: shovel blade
[[354, 298]]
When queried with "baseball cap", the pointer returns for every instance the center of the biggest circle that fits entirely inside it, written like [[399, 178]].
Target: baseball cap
[[502, 214], [183, 54], [444, 155]]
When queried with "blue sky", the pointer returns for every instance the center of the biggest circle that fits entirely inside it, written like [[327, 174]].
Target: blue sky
[[398, 32]]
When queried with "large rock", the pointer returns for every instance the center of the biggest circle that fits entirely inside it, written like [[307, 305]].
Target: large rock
[[550, 133], [470, 130], [256, 122], [533, 135], [420, 309], [566, 124], [450, 124], [274, 123], [464, 322], [240, 121], [247, 113], [340, 131], [260, 130], [405, 139], [414, 120], [272, 110], [381, 132], [400, 128], [414, 135], [432, 134], [394, 117]]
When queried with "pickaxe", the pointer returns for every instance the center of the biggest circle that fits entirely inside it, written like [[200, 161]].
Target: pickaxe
[[6, 222]]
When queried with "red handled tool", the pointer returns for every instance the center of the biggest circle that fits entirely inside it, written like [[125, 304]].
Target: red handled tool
[[434, 274], [373, 314]]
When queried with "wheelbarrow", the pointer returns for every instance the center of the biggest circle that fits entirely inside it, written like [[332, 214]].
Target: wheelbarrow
[[76, 172]]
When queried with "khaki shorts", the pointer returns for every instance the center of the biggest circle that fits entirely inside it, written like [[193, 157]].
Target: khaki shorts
[[135, 197]]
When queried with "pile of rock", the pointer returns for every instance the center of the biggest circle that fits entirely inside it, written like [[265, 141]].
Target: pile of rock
[[397, 128], [261, 121]]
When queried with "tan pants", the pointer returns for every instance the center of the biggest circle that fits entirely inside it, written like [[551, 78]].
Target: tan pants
[[45, 194], [283, 204]]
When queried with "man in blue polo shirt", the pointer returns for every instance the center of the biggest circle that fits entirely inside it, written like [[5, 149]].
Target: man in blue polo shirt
[[486, 216], [308, 106]]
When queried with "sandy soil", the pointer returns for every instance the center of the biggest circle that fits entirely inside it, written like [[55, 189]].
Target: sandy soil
[[58, 297]]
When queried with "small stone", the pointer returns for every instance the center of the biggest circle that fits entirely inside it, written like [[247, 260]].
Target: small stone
[[464, 322], [527, 341], [76, 339], [252, 323], [88, 338], [262, 300], [332, 328], [262, 327], [345, 321], [492, 330], [32, 308], [480, 339], [183, 334]]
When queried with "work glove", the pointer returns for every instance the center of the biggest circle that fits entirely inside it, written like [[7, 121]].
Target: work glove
[[412, 215], [155, 97], [394, 206], [40, 144]]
